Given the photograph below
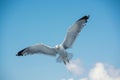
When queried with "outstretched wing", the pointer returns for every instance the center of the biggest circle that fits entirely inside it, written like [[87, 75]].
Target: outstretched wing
[[38, 48], [73, 31]]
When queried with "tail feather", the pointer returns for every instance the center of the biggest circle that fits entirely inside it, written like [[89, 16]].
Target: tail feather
[[66, 59]]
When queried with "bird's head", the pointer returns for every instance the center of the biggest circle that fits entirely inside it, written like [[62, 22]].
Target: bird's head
[[57, 47]]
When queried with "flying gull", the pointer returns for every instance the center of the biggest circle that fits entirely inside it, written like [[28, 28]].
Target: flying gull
[[63, 55]]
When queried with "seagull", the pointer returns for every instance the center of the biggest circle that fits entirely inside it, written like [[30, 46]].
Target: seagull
[[60, 50]]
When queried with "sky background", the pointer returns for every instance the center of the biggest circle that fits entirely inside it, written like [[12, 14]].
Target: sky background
[[27, 22]]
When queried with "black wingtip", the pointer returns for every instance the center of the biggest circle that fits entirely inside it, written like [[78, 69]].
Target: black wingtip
[[86, 17], [20, 53]]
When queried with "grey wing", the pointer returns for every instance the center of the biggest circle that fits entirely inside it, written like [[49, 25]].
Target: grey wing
[[38, 48], [73, 32]]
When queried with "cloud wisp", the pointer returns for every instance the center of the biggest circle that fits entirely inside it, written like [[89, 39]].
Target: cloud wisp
[[103, 71], [75, 67], [100, 71]]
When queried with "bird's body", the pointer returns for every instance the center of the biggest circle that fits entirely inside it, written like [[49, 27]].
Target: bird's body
[[63, 55]]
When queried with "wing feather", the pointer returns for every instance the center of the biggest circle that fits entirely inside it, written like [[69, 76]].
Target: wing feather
[[73, 32], [38, 48]]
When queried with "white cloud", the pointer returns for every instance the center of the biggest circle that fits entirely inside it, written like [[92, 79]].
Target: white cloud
[[84, 79], [103, 72], [75, 67], [100, 71], [70, 79]]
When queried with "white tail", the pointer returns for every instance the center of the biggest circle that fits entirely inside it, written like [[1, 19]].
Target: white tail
[[65, 59]]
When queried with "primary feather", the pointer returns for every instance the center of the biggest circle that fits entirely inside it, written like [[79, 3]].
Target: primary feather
[[38, 48], [73, 32]]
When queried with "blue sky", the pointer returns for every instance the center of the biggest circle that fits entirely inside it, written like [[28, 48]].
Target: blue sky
[[27, 22]]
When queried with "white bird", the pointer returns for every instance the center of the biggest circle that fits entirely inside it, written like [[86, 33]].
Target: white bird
[[64, 56]]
